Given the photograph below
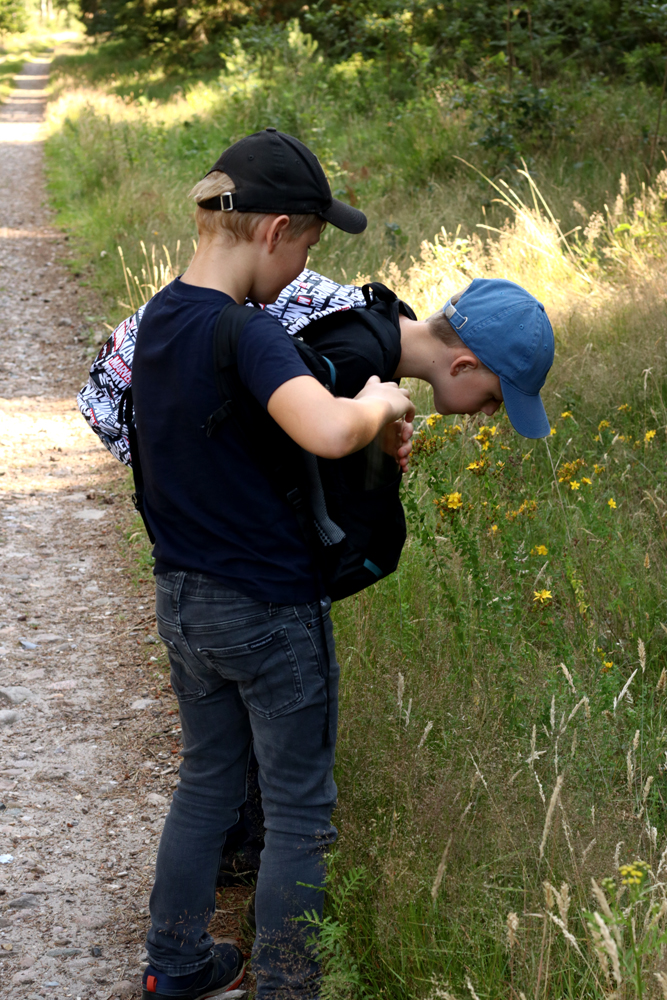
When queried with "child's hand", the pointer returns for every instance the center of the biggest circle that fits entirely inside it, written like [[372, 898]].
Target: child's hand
[[396, 440], [389, 392]]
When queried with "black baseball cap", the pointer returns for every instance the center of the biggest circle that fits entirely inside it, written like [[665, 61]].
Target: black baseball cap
[[274, 172]]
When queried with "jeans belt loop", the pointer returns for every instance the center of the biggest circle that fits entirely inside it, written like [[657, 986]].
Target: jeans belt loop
[[176, 597]]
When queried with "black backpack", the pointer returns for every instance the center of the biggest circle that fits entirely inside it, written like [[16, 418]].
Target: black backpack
[[349, 509]]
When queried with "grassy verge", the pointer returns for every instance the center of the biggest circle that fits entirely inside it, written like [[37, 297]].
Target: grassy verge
[[503, 731]]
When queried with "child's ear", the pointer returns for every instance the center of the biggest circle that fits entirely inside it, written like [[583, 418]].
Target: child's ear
[[277, 231], [464, 362]]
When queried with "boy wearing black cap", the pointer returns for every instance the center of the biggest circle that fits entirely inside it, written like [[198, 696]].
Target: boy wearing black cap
[[238, 603]]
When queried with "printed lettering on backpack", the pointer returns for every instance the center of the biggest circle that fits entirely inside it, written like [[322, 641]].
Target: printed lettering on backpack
[[308, 298]]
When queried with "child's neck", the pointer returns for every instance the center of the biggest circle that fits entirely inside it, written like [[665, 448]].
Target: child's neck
[[422, 354], [223, 266]]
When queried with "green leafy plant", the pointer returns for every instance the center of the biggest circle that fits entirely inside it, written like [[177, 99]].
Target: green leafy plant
[[343, 978]]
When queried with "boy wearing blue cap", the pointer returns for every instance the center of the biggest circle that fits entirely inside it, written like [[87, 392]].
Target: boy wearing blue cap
[[492, 343]]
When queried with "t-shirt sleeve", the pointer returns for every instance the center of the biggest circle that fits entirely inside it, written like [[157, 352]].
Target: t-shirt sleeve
[[267, 357]]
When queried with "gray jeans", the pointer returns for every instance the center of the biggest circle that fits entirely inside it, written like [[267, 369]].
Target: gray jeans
[[245, 671]]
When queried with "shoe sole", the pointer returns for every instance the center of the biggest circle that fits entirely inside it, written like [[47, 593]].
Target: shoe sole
[[145, 995], [227, 989]]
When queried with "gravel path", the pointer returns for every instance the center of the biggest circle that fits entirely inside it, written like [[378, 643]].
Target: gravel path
[[88, 725]]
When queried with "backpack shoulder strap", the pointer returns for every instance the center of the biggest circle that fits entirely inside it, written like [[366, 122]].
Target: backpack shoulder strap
[[228, 328], [381, 313], [126, 414], [276, 454]]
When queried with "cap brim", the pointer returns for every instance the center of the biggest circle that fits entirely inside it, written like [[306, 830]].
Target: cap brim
[[527, 414], [344, 217]]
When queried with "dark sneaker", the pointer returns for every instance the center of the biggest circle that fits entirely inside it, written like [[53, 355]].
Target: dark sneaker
[[223, 973]]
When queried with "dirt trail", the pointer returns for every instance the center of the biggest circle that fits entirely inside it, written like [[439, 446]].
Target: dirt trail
[[88, 728]]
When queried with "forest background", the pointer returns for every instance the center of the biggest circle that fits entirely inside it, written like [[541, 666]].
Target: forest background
[[503, 747]]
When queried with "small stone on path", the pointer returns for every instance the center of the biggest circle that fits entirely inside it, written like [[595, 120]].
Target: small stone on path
[[94, 920], [22, 978], [121, 989], [7, 717], [157, 800], [90, 514], [15, 695], [142, 703], [22, 902]]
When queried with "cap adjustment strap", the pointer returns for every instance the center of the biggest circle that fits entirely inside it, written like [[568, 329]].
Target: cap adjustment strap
[[454, 316], [221, 203]]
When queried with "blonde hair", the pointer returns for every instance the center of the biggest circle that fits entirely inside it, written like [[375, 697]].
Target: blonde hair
[[445, 332], [238, 225]]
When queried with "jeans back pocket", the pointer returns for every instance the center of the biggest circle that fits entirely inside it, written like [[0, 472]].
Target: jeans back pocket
[[265, 669]]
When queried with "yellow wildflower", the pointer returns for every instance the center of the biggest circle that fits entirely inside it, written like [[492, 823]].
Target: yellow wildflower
[[624, 408], [585, 479], [565, 414], [486, 432], [528, 507], [500, 465], [598, 469], [569, 469], [597, 437], [539, 550], [493, 529], [606, 665], [553, 432], [432, 420], [477, 466], [422, 445], [603, 424], [611, 503], [450, 501], [543, 596], [574, 485], [649, 436], [634, 873]]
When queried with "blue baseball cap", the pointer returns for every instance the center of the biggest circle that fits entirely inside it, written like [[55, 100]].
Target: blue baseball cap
[[509, 331]]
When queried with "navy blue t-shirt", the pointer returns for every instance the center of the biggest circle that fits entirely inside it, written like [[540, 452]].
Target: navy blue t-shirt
[[211, 508]]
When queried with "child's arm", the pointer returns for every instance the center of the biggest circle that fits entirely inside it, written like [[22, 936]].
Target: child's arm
[[331, 426]]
